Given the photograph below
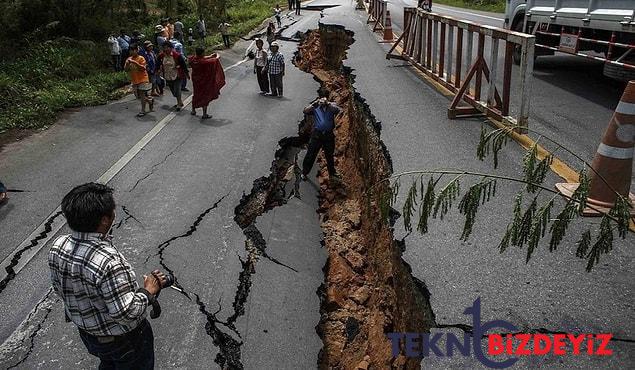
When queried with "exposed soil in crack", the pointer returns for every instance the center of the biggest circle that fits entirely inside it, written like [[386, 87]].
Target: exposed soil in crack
[[18, 255], [369, 289]]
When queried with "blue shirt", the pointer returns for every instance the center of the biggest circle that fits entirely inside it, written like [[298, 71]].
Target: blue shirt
[[150, 60], [324, 117], [123, 42]]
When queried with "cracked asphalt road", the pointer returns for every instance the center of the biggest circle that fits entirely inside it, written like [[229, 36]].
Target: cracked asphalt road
[[175, 211], [191, 164]]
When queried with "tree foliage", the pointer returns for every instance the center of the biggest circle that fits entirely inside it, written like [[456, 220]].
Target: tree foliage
[[531, 219]]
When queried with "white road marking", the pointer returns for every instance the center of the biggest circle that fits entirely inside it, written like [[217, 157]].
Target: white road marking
[[59, 222], [434, 6]]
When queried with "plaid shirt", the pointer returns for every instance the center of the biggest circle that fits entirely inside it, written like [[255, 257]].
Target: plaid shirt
[[275, 63], [97, 284]]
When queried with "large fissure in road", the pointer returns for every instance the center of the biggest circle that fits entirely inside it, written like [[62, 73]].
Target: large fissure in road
[[368, 289]]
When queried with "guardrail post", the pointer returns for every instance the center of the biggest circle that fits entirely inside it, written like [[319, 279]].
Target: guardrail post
[[459, 57], [491, 101], [526, 77]]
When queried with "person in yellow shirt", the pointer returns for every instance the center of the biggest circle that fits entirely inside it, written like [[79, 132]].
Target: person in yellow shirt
[[136, 67]]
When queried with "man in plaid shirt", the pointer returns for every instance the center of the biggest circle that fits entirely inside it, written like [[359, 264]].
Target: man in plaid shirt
[[275, 66], [98, 286]]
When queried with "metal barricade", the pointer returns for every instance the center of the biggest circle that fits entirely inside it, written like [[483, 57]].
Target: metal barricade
[[442, 47], [377, 14]]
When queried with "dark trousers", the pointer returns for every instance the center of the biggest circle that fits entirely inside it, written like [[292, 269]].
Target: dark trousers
[[297, 7], [276, 84], [124, 55], [263, 81], [133, 350], [116, 62], [291, 3], [183, 84], [324, 141], [226, 41]]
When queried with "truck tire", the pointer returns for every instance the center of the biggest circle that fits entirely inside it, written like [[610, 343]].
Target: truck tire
[[618, 73]]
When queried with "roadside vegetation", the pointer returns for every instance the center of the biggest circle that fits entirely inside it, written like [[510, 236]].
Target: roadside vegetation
[[496, 6], [59, 57]]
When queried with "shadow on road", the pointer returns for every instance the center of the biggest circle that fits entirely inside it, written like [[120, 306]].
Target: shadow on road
[[580, 77]]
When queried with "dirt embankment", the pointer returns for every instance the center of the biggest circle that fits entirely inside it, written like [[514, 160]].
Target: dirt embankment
[[368, 289]]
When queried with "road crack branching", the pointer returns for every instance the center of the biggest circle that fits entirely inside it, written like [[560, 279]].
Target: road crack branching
[[128, 216], [267, 193], [228, 356], [34, 242], [44, 305], [157, 165]]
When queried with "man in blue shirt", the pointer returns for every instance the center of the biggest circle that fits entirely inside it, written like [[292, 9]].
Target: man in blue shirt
[[322, 136], [124, 46]]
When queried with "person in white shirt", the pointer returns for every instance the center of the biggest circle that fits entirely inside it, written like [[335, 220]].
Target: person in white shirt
[[224, 31], [115, 52], [260, 62]]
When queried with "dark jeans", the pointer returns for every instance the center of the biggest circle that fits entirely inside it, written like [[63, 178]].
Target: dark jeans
[[263, 81], [226, 41], [325, 141], [276, 84], [297, 7], [291, 3], [134, 350], [183, 84], [116, 62], [124, 55], [279, 21]]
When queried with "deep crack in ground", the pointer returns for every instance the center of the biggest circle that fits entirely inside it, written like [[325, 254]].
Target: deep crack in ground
[[18, 255], [267, 193]]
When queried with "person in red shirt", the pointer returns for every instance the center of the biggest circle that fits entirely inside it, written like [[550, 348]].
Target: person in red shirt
[[207, 78], [136, 67]]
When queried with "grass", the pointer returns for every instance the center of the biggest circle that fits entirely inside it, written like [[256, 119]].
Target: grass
[[66, 73], [53, 76], [496, 6]]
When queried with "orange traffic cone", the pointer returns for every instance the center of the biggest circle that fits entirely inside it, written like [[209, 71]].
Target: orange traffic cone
[[613, 161], [388, 36]]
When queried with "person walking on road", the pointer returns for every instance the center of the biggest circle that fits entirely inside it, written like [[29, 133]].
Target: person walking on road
[[178, 27], [278, 13], [200, 28], [275, 68], [322, 136], [98, 286], [173, 69], [271, 33], [208, 79], [115, 52], [297, 7], [124, 46], [151, 65], [178, 47], [224, 31], [136, 67], [260, 63]]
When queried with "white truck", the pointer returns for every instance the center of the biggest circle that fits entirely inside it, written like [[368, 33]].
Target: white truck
[[602, 30]]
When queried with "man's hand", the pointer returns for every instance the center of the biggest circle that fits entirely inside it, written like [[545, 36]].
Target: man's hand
[[160, 276], [151, 284]]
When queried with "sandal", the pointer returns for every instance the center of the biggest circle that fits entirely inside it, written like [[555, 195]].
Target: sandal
[[141, 114], [206, 116]]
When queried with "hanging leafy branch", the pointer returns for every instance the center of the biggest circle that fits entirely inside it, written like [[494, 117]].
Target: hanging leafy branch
[[529, 224]]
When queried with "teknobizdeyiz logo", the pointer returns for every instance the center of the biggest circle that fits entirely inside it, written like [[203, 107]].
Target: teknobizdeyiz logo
[[423, 344]]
